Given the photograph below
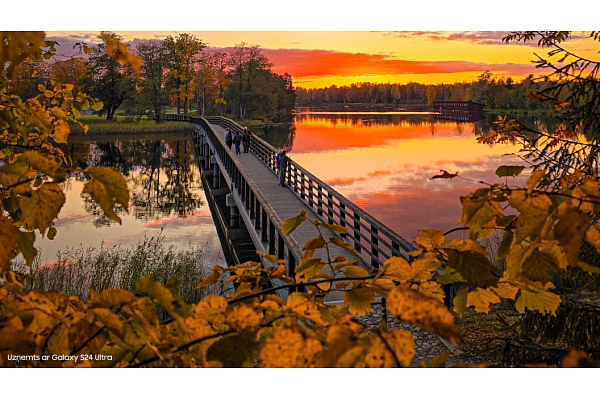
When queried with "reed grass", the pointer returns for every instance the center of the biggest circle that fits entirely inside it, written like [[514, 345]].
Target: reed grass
[[118, 266]]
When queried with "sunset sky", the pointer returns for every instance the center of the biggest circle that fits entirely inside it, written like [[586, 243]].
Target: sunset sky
[[324, 58], [321, 43]]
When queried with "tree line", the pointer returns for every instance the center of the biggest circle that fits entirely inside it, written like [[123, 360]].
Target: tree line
[[175, 71], [494, 92]]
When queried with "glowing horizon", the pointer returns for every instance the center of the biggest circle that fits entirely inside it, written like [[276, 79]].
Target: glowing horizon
[[322, 59]]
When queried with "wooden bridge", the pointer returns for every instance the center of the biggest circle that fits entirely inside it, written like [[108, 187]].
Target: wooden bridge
[[249, 206]]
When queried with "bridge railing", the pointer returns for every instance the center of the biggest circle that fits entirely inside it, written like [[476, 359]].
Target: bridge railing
[[176, 117], [374, 241], [263, 221]]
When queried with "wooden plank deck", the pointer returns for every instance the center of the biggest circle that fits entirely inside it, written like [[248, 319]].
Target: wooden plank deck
[[287, 205]]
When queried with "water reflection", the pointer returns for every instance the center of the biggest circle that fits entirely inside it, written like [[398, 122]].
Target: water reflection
[[164, 184], [384, 162]]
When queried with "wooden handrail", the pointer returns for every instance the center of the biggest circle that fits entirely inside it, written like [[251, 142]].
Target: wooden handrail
[[369, 236]]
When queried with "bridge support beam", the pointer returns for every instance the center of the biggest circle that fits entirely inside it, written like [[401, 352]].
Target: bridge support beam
[[234, 215], [216, 174]]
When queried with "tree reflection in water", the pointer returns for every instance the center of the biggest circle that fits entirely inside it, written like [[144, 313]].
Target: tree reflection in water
[[160, 173]]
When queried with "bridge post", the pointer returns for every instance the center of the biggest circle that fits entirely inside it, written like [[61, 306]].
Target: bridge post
[[233, 211], [206, 156], [216, 176], [356, 232]]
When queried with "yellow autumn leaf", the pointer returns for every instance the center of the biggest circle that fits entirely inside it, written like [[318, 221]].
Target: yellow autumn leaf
[[534, 211], [355, 272], [107, 187], [534, 179], [335, 228], [478, 210], [313, 244], [341, 243], [244, 316], [438, 361], [42, 163], [542, 301], [424, 267], [482, 299], [212, 309], [10, 236], [40, 207], [340, 339], [423, 311], [61, 131], [431, 289], [304, 307], [210, 279], [234, 351], [578, 359], [570, 230], [359, 299], [169, 298], [115, 184], [505, 290], [288, 347], [401, 343], [590, 269], [587, 196], [397, 269], [429, 239], [460, 301], [110, 298], [290, 224]]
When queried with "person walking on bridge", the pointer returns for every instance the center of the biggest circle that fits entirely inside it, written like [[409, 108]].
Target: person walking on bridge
[[283, 161], [228, 139], [246, 139], [237, 139]]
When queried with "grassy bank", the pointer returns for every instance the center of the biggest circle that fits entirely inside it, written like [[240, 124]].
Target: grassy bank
[[120, 267], [124, 126]]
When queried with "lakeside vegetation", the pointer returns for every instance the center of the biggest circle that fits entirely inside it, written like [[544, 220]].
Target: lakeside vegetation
[[122, 125], [76, 270]]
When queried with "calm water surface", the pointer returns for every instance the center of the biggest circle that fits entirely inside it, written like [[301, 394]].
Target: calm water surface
[[382, 161], [166, 198]]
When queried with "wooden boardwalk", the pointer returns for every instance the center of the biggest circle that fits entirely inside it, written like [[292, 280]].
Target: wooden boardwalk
[[287, 204]]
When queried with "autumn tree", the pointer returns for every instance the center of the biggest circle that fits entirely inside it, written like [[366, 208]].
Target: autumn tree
[[107, 79], [211, 83], [184, 52], [155, 56]]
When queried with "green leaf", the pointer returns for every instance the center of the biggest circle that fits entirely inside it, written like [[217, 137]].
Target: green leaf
[[473, 266], [509, 170], [290, 224]]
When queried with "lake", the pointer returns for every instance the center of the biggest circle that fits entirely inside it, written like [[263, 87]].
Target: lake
[[382, 160]]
